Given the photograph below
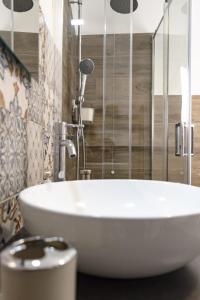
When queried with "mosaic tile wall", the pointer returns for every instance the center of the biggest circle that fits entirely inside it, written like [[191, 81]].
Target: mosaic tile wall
[[50, 82], [28, 112], [21, 125]]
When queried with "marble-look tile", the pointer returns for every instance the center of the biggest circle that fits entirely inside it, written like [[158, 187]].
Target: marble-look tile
[[46, 82], [34, 153], [13, 155], [57, 87], [35, 104], [48, 130], [11, 220]]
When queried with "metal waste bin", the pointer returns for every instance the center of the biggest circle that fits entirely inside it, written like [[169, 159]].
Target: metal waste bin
[[39, 269]]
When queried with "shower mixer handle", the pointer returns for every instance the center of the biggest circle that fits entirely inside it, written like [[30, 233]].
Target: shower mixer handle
[[67, 129], [75, 126]]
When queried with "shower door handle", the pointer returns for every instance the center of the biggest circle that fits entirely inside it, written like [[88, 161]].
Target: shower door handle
[[179, 139], [192, 139], [180, 133]]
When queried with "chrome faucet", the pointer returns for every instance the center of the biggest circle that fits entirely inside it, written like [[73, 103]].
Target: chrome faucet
[[64, 142]]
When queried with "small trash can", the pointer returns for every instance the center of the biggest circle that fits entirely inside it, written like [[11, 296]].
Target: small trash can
[[39, 269]]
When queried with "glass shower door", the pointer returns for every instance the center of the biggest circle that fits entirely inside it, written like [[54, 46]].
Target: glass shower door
[[171, 109], [159, 141], [178, 92]]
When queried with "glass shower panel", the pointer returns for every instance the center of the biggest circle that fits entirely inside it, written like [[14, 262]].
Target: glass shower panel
[[178, 91], [117, 95], [159, 148], [92, 47], [195, 88]]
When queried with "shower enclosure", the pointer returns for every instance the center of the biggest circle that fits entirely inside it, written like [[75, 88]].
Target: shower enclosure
[[119, 90], [173, 132]]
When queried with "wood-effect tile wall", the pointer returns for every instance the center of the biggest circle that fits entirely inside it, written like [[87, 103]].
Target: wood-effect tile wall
[[26, 48], [175, 164], [116, 105]]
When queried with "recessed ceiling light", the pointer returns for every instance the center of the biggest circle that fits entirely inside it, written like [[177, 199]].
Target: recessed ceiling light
[[77, 22]]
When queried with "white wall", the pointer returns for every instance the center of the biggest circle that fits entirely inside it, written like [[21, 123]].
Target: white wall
[[178, 49], [53, 14], [195, 47]]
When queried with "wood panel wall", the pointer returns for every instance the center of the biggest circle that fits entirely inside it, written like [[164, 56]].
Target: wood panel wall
[[175, 163]]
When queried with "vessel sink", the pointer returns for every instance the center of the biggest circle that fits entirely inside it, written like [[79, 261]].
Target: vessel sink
[[121, 228]]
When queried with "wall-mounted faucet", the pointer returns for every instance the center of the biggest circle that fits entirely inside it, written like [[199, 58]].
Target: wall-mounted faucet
[[63, 143]]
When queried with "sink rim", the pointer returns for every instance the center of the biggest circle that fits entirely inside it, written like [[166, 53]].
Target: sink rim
[[23, 198]]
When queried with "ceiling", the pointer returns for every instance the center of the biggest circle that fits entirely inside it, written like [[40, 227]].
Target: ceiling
[[145, 18]]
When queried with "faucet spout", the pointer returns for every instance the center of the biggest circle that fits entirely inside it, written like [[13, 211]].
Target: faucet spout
[[70, 147]]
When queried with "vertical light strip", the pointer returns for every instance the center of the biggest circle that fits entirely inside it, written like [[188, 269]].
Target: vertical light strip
[[12, 25], [113, 104], [130, 89], [184, 92], [189, 159], [165, 88], [79, 3], [53, 30], [104, 89], [152, 105], [79, 39]]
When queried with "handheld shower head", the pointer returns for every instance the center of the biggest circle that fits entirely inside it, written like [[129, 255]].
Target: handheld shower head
[[86, 68]]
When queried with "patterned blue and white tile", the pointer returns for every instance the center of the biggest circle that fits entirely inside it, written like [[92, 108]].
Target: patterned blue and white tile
[[13, 154], [14, 88], [47, 90]]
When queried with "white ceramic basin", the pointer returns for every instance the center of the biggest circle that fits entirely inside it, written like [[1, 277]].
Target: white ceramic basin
[[121, 228]]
